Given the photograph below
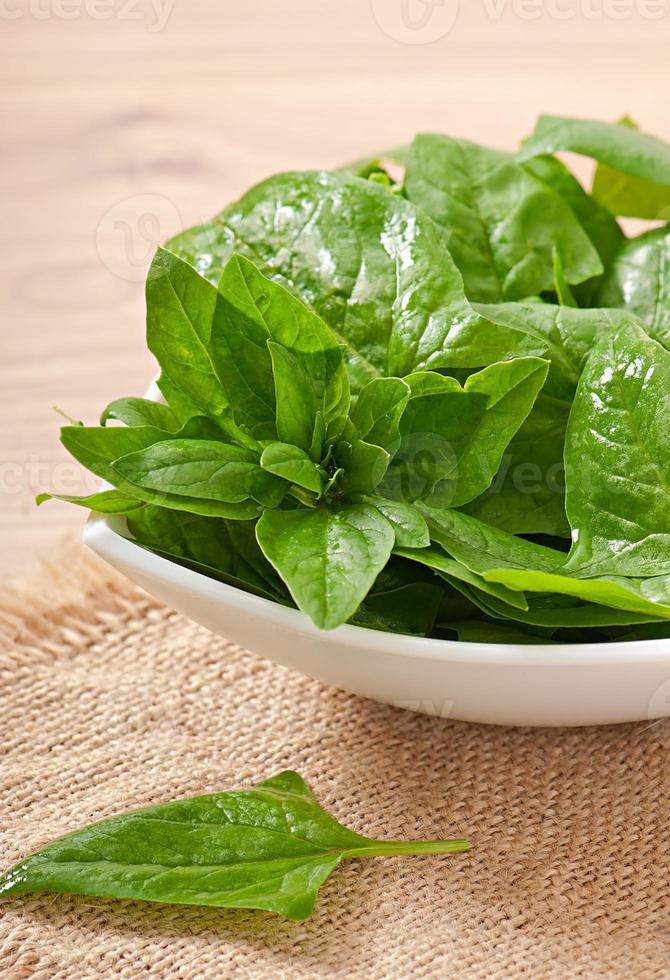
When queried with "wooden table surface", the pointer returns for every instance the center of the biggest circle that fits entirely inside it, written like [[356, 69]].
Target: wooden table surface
[[123, 121]]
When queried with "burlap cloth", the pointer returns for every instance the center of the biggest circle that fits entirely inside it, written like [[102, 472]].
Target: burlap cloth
[[110, 701]]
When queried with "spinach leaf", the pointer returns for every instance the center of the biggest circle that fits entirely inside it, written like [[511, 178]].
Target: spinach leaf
[[141, 411], [328, 556], [639, 281], [410, 609], [628, 195], [180, 309], [485, 631], [378, 409], [227, 549], [270, 847], [501, 223], [455, 572], [453, 438], [617, 459], [601, 226], [203, 469], [411, 530], [252, 311], [374, 266], [622, 148], [294, 465], [527, 495], [103, 502]]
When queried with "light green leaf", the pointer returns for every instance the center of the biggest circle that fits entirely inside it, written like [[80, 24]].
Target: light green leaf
[[293, 465], [141, 411], [411, 530], [104, 502], [621, 148], [270, 847]]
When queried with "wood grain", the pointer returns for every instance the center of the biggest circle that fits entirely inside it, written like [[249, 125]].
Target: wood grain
[[114, 134]]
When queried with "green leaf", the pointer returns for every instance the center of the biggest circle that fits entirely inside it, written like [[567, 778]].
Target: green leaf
[[363, 465], [252, 310], [455, 572], [617, 459], [270, 847], [527, 495], [411, 530], [104, 502], [481, 548], [221, 548], [410, 609], [141, 411], [378, 409], [627, 195], [601, 227], [639, 281], [501, 222], [649, 597], [453, 438], [552, 610], [375, 267], [564, 294], [293, 465], [483, 631], [296, 404], [98, 448], [329, 557], [621, 148], [201, 468], [180, 309]]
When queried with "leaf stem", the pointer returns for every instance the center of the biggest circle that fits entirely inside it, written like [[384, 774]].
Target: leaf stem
[[386, 848]]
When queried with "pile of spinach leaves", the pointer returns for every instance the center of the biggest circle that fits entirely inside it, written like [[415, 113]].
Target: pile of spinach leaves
[[439, 406]]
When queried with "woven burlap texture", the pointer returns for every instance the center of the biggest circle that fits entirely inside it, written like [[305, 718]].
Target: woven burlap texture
[[111, 701]]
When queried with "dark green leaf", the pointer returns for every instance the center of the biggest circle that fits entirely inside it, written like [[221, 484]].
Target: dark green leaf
[[104, 502], [378, 409], [411, 530]]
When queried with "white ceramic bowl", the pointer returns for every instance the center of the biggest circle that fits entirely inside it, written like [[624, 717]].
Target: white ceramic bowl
[[503, 684]]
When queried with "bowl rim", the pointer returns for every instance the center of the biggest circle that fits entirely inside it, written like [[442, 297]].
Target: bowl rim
[[100, 535]]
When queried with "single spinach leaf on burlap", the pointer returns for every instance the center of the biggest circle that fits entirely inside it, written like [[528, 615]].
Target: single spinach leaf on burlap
[[370, 263], [626, 152], [501, 223], [328, 556], [617, 459], [639, 281], [270, 847]]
